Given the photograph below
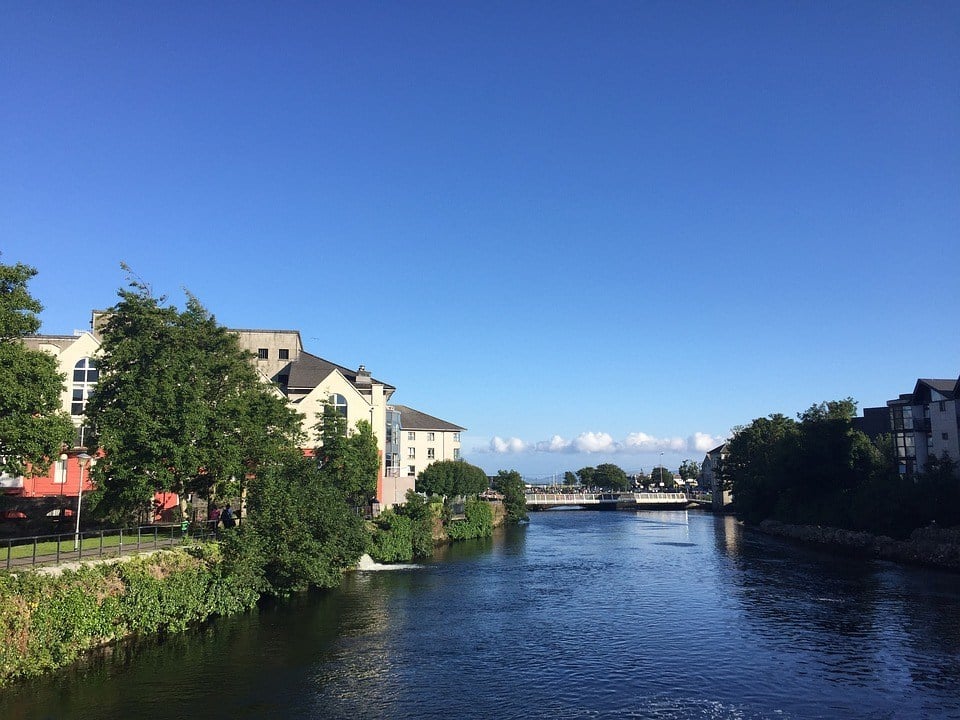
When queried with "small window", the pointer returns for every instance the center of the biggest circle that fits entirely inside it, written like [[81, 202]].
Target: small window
[[456, 437], [411, 470], [85, 376], [411, 452], [944, 436], [60, 472], [431, 437], [431, 454], [943, 408], [284, 354], [411, 436], [456, 453], [263, 354]]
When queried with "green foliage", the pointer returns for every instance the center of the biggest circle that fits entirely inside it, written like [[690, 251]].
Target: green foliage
[[47, 622], [585, 476], [610, 477], [452, 478], [689, 469], [661, 475], [349, 461], [33, 429], [569, 478], [393, 539], [821, 471], [510, 484], [178, 407], [299, 532], [478, 522]]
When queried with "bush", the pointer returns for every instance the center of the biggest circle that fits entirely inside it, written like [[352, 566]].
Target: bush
[[478, 522]]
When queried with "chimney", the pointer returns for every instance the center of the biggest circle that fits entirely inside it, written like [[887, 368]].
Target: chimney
[[364, 384]]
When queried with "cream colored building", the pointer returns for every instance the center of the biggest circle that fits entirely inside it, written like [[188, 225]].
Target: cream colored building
[[424, 439], [308, 382]]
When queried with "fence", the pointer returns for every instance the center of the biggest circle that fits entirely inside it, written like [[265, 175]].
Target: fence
[[99, 544]]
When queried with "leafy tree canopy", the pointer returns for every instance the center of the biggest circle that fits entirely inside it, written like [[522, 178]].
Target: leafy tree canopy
[[33, 428], [569, 478], [689, 469], [179, 406], [585, 476], [610, 477], [452, 478], [349, 461], [510, 484]]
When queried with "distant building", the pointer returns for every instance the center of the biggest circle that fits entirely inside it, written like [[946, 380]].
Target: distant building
[[711, 477], [926, 423], [424, 439]]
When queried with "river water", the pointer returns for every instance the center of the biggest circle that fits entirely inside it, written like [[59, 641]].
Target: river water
[[576, 615]]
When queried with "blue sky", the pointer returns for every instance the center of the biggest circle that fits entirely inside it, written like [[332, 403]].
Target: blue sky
[[588, 232]]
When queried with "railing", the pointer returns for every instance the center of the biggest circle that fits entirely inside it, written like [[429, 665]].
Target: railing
[[99, 544]]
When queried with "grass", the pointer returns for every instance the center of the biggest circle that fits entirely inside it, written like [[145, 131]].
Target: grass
[[91, 544]]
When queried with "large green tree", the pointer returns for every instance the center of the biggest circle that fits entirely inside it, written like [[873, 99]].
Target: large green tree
[[349, 460], [689, 469], [452, 478], [33, 428], [510, 484], [179, 407], [610, 477], [299, 532]]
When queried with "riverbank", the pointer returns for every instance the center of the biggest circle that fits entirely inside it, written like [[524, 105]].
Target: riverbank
[[930, 547]]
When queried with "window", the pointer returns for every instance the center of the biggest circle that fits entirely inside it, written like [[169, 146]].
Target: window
[[60, 472], [431, 437], [431, 454], [944, 436], [85, 376], [456, 453], [283, 354], [263, 354], [456, 437], [943, 407], [411, 436], [339, 403], [411, 452], [411, 470]]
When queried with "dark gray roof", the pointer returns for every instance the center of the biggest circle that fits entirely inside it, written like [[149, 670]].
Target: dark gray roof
[[411, 419], [944, 387], [308, 371]]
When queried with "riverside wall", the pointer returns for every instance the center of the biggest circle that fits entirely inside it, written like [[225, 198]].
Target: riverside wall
[[930, 546]]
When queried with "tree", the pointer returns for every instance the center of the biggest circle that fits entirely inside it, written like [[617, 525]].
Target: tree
[[33, 428], [761, 461], [452, 478], [610, 477], [179, 407], [510, 484], [299, 531], [689, 469], [585, 475], [661, 475], [569, 478], [349, 461]]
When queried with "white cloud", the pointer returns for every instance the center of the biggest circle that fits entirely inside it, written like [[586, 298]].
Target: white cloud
[[601, 442], [591, 442]]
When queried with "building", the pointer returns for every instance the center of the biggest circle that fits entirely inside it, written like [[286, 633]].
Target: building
[[425, 439], [307, 381], [926, 423], [711, 477]]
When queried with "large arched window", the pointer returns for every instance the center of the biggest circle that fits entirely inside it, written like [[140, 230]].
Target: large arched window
[[85, 376], [339, 403]]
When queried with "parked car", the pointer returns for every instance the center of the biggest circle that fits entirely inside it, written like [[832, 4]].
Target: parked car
[[12, 515]]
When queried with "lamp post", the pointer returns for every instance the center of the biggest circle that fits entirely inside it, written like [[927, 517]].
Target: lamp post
[[85, 461], [661, 469]]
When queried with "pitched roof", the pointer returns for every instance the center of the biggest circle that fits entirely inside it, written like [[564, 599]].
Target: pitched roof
[[308, 371], [943, 386], [411, 419]]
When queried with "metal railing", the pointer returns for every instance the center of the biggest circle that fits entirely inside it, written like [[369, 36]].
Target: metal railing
[[89, 545]]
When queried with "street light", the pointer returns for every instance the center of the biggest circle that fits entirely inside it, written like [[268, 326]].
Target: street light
[[85, 461], [661, 469]]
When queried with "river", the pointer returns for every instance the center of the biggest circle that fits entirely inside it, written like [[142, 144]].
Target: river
[[578, 614]]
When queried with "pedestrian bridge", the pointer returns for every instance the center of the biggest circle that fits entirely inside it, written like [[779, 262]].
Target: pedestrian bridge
[[608, 501]]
